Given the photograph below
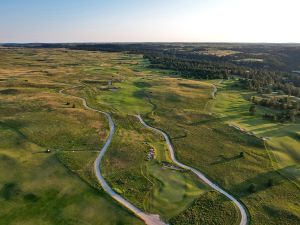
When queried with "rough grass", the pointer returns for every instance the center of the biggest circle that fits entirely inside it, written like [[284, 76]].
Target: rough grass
[[178, 106], [213, 147], [201, 210], [181, 108], [124, 165], [35, 188], [58, 187], [148, 184]]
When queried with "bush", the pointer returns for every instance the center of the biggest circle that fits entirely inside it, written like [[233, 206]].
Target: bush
[[252, 188], [242, 154], [10, 190], [31, 197], [270, 183], [252, 110]]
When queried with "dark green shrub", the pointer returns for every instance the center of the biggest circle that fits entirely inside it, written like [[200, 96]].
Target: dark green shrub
[[10, 190], [270, 183], [252, 188], [31, 197]]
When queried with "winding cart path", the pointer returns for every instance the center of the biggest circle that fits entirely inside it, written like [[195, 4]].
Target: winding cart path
[[244, 217]]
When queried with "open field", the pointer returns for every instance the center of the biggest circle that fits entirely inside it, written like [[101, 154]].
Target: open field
[[35, 187], [32, 110]]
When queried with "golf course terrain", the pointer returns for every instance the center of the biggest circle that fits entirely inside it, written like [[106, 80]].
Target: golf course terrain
[[50, 141]]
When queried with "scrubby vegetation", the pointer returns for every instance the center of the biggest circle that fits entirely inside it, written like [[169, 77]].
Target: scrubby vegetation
[[56, 187], [201, 209]]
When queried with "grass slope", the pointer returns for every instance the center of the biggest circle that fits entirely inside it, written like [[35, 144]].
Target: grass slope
[[58, 187], [232, 105]]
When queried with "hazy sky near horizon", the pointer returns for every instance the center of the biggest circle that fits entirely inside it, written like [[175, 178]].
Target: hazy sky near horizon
[[149, 21]]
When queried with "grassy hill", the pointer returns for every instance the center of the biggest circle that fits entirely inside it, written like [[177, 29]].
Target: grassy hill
[[60, 187]]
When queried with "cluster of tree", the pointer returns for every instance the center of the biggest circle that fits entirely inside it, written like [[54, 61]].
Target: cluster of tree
[[253, 187], [281, 117], [282, 103], [259, 79], [190, 68], [267, 82], [290, 110]]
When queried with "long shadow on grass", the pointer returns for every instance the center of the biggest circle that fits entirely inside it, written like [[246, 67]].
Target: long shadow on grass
[[223, 159], [204, 120], [265, 181], [13, 125]]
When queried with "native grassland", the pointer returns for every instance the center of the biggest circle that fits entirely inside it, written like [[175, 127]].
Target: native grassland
[[150, 184], [57, 187], [125, 86], [235, 160]]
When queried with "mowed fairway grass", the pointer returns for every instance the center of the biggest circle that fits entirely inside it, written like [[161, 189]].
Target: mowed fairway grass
[[282, 139]]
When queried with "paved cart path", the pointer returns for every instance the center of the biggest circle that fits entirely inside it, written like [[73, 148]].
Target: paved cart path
[[147, 218], [244, 218]]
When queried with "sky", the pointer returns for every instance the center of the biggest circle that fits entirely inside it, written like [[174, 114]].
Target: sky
[[273, 21]]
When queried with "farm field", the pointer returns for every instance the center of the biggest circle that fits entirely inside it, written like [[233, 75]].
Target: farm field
[[35, 117]]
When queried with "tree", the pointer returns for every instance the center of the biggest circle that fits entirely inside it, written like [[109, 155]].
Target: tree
[[252, 188], [252, 110], [270, 183], [242, 154], [297, 107], [292, 114]]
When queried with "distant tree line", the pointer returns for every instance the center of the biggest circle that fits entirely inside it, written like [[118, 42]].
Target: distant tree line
[[273, 73], [267, 82], [190, 68]]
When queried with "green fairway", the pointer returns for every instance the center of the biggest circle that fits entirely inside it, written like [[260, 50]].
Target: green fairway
[[281, 140], [148, 184], [173, 191], [206, 142]]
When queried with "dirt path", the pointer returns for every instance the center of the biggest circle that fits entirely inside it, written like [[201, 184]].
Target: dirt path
[[147, 218], [213, 95], [244, 217], [214, 92]]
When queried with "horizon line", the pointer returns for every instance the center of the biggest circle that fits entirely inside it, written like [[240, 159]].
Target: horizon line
[[148, 42]]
